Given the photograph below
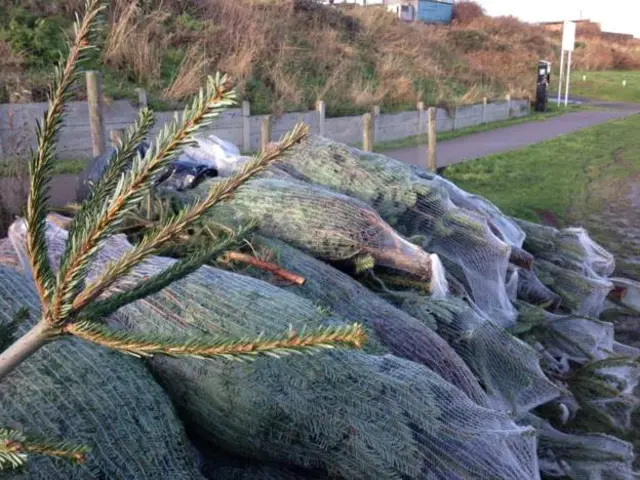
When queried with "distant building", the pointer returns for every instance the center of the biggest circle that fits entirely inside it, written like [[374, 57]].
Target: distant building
[[428, 11]]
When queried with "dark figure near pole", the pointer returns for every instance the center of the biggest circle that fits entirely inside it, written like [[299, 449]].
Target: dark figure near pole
[[542, 90]]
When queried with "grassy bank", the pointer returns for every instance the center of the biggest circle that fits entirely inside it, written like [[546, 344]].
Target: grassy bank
[[588, 178], [287, 54], [607, 85]]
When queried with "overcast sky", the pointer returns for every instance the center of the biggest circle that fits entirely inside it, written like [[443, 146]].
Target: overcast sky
[[622, 16]]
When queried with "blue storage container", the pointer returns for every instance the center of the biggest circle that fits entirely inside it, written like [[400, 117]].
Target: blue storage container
[[433, 11]]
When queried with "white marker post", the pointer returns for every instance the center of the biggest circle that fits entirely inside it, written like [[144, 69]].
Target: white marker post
[[568, 45], [560, 77]]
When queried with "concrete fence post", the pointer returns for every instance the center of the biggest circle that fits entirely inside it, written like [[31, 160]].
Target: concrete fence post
[[432, 162], [265, 130], [321, 108], [143, 101], [455, 118], [376, 121], [422, 119], [367, 132], [246, 126], [96, 116], [508, 105], [484, 110]]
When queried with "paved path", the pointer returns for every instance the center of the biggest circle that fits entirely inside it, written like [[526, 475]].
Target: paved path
[[512, 138]]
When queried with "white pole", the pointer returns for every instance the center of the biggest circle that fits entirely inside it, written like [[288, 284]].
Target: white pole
[[566, 96], [560, 77]]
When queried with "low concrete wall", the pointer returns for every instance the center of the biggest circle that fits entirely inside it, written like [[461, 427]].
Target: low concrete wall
[[17, 124]]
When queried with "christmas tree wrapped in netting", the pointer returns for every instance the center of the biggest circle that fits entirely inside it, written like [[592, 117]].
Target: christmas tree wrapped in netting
[[507, 369], [354, 415], [521, 303], [90, 396], [328, 225], [405, 336], [421, 209]]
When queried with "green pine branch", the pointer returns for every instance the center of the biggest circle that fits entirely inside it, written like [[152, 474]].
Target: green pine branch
[[41, 162], [119, 164], [141, 345], [16, 448], [153, 242], [130, 190], [177, 271]]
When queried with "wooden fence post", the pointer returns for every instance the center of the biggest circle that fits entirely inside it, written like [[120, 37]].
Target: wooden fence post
[[266, 131], [508, 105], [422, 121], [367, 132], [143, 101], [96, 118], [246, 126], [376, 120], [116, 137], [484, 110], [432, 162], [321, 108]]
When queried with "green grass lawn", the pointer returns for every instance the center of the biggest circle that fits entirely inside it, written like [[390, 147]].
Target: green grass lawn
[[606, 85], [416, 140], [589, 178]]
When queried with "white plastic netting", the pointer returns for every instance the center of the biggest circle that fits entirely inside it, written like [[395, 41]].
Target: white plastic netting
[[508, 369], [571, 248], [355, 415], [565, 337], [582, 456], [584, 295], [326, 224], [418, 208], [504, 227], [404, 335]]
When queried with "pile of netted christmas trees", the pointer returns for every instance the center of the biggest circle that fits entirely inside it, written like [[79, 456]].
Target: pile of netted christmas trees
[[491, 348]]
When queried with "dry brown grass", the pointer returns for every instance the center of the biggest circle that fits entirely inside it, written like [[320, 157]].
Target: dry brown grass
[[465, 11], [599, 54], [193, 68], [136, 42]]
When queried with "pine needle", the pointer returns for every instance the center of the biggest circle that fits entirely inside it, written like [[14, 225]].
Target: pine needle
[[41, 163], [15, 449], [244, 349]]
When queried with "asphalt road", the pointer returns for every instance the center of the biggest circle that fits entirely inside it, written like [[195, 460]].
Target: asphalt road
[[482, 144]]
